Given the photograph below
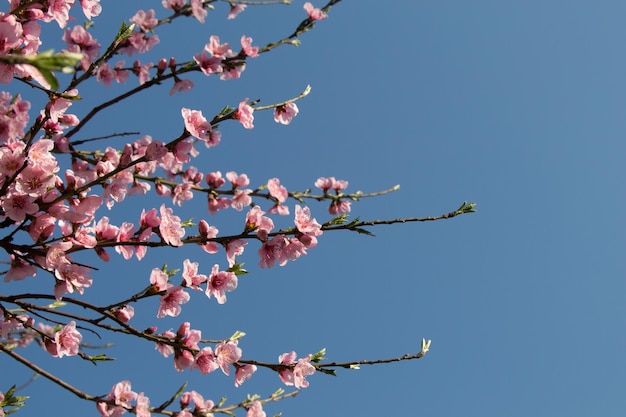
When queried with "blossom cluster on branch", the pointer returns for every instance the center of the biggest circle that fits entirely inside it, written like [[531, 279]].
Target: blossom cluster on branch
[[54, 195]]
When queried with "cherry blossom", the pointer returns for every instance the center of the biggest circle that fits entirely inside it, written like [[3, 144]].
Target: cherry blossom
[[244, 114], [243, 373], [227, 353], [170, 227], [256, 410], [170, 302], [67, 340], [285, 113], [314, 14], [196, 124], [248, 49], [219, 283], [235, 9]]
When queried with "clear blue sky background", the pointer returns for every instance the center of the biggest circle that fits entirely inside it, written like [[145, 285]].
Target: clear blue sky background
[[517, 106]]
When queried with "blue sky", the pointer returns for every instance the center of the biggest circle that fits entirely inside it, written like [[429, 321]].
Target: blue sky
[[517, 106]]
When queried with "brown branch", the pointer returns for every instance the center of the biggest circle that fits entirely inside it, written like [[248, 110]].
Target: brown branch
[[48, 375]]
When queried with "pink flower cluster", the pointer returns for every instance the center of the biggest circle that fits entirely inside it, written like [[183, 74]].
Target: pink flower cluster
[[64, 342], [295, 370], [219, 58], [337, 206], [120, 399], [187, 354]]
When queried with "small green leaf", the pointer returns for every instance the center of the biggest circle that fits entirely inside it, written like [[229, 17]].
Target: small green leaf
[[319, 356], [362, 231], [237, 335], [341, 219], [237, 268]]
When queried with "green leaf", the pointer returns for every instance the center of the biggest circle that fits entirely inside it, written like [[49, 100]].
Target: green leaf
[[319, 356], [237, 335], [362, 231], [341, 219], [237, 268]]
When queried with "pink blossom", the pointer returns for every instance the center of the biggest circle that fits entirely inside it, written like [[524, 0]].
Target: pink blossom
[[106, 231], [34, 181], [208, 64], [271, 252], [219, 283], [237, 180], [121, 395], [56, 254], [205, 361], [244, 114], [71, 277], [19, 270], [196, 124], [339, 207], [256, 221], [256, 410], [181, 86], [126, 234], [170, 227], [17, 206], [173, 4], [227, 354], [232, 70], [59, 10], [156, 150], [234, 248], [243, 373], [214, 138], [201, 406], [125, 313], [214, 179], [159, 279], [11, 160], [139, 42], [216, 49], [142, 71], [42, 227], [314, 14], [208, 232], [13, 117], [280, 209], [165, 350], [183, 358], [145, 20], [190, 275], [149, 219], [241, 199], [216, 204], [285, 113], [295, 248], [248, 49], [198, 10], [67, 340], [276, 190], [170, 302], [80, 40], [143, 406], [285, 374], [108, 410], [305, 224], [106, 74], [235, 9], [91, 8], [10, 32], [302, 369], [182, 192]]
